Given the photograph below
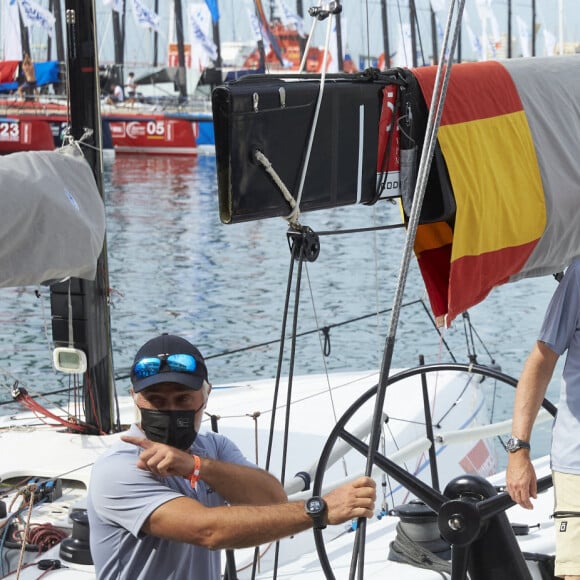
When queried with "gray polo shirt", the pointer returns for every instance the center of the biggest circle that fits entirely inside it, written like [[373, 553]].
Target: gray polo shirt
[[121, 497], [561, 332]]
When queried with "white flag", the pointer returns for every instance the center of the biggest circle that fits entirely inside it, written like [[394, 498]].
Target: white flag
[[289, 18], [404, 55], [200, 22], [145, 17], [476, 45], [549, 43], [257, 30], [524, 36], [33, 14], [116, 5], [11, 37]]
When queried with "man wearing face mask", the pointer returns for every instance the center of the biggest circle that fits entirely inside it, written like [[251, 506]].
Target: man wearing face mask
[[167, 498]]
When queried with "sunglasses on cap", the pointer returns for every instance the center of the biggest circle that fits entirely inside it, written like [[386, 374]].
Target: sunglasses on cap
[[153, 365]]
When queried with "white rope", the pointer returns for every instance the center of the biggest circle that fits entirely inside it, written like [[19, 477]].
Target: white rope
[[292, 218], [267, 165]]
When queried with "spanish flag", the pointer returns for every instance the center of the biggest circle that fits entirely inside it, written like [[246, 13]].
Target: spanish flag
[[491, 160]]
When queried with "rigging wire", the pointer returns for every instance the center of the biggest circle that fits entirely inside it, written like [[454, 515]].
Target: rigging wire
[[433, 121]]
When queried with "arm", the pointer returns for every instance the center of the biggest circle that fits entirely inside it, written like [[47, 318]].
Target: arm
[[186, 520], [531, 389], [242, 484], [236, 483]]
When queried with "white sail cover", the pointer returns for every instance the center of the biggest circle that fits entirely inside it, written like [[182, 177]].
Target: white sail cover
[[52, 218]]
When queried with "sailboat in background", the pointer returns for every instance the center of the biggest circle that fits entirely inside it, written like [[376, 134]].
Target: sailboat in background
[[176, 125]]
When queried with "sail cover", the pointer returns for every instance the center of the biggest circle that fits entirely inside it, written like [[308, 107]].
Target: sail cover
[[510, 136], [52, 218]]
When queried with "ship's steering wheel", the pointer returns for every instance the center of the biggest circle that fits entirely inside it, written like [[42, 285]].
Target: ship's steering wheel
[[468, 505]]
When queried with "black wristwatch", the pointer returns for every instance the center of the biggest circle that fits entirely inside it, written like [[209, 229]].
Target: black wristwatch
[[316, 508], [513, 444]]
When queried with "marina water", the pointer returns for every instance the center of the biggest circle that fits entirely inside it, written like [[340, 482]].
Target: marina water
[[174, 267]]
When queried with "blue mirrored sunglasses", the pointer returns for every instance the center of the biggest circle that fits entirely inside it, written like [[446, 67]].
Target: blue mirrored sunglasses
[[152, 365]]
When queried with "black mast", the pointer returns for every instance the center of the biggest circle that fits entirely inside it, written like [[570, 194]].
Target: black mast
[[89, 299], [119, 44], [339, 40], [509, 29], [533, 27], [413, 22], [386, 48], [56, 9], [181, 78], [217, 42], [156, 39]]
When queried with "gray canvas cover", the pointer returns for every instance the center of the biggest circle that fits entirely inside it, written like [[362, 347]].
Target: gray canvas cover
[[52, 217]]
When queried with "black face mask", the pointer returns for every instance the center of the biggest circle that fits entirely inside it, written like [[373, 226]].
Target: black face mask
[[175, 428]]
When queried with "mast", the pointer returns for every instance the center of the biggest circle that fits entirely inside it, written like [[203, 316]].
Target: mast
[[561, 25], [88, 300], [181, 78], [434, 49], [509, 29], [339, 53], [386, 48], [216, 38], [533, 27], [156, 39], [119, 43], [56, 9], [413, 22], [302, 40]]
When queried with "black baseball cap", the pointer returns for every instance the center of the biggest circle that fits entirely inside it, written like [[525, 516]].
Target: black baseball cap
[[162, 347]]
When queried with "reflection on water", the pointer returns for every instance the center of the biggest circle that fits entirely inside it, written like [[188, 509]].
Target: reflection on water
[[174, 267]]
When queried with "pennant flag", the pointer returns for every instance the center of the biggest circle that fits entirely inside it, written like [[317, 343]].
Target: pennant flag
[[11, 37], [145, 17], [524, 36], [34, 14], [213, 9], [489, 152], [549, 43], [199, 21], [476, 45], [404, 54], [258, 30], [289, 18]]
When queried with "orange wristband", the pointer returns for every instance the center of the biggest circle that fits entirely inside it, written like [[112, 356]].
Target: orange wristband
[[194, 475]]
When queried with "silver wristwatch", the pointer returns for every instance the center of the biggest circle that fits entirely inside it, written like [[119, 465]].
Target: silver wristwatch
[[514, 443]]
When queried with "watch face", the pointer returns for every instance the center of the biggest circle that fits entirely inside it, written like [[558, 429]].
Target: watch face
[[513, 444], [315, 505]]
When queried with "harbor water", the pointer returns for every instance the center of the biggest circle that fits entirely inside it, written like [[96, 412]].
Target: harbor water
[[174, 267]]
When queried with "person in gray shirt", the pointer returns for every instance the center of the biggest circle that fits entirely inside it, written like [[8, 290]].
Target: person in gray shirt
[[166, 499], [560, 333]]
